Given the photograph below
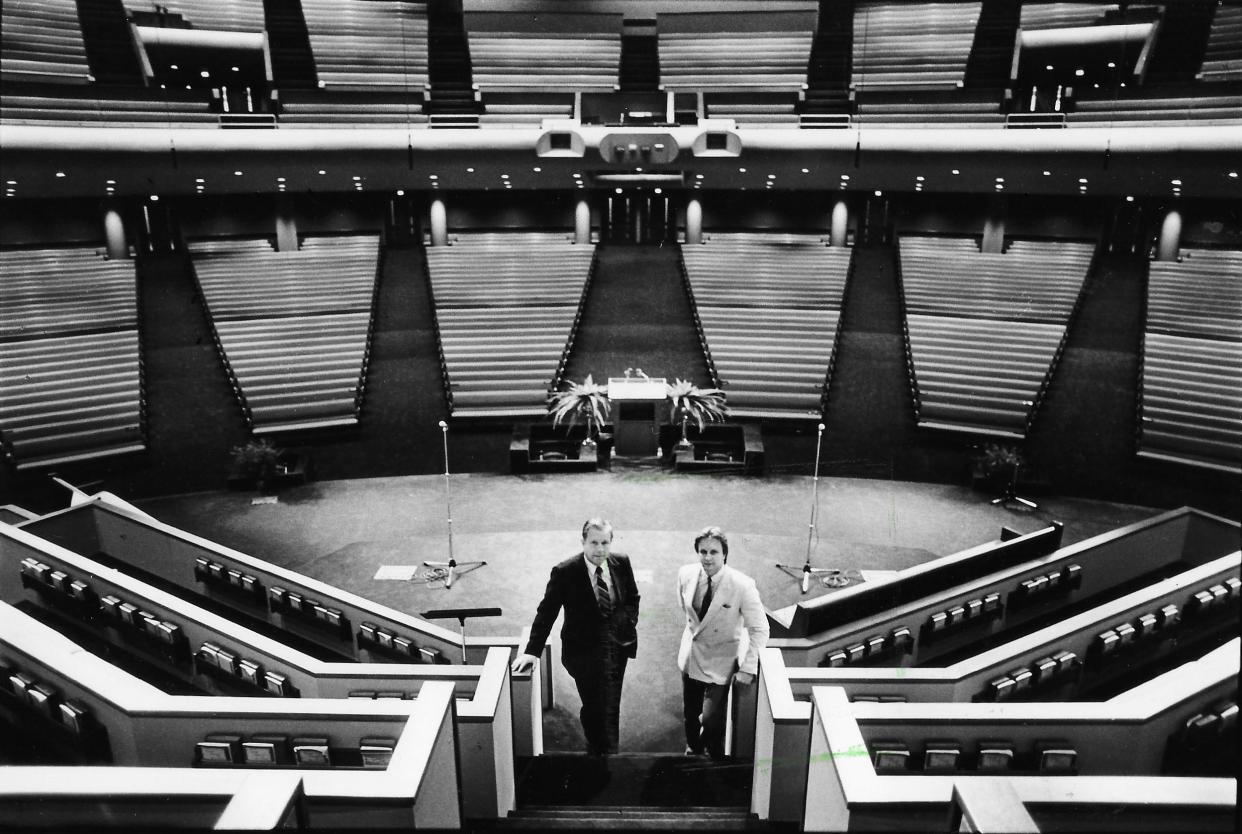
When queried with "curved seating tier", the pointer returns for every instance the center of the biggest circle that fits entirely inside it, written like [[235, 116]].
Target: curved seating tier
[[984, 331], [1062, 15], [41, 40], [527, 109], [1162, 107], [137, 107], [220, 15], [368, 43], [769, 309], [1191, 398], [1222, 59], [763, 109], [507, 305], [556, 61], [71, 368], [905, 107], [324, 108], [293, 328], [912, 44], [724, 60]]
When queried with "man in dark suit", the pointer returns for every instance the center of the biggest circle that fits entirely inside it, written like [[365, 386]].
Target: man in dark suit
[[599, 636]]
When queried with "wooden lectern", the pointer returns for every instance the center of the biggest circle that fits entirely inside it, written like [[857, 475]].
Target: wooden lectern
[[635, 416]]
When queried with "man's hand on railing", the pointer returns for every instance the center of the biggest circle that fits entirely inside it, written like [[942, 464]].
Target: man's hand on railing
[[522, 664]]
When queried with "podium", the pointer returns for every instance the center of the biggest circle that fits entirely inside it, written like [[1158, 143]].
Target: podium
[[635, 416]]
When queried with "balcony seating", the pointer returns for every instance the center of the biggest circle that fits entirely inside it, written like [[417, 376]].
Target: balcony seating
[[369, 43], [984, 331], [520, 59], [1063, 15], [507, 305], [336, 109], [97, 107], [1193, 105], [220, 15], [737, 51], [525, 109], [1222, 60], [769, 309], [764, 109], [41, 40], [293, 328], [1191, 397], [899, 108], [71, 372], [924, 45]]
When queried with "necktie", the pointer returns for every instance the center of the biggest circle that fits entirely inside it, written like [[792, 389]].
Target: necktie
[[707, 599], [601, 592]]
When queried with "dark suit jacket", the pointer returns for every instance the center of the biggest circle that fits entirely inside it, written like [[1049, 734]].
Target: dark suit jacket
[[570, 587]]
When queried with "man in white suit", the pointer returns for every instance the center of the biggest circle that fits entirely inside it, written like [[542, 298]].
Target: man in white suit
[[726, 628]]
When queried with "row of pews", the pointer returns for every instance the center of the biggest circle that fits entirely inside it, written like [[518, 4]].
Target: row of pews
[[42, 42], [1108, 663], [984, 331], [186, 658], [367, 45], [507, 306], [768, 310], [71, 384], [1190, 400], [293, 329], [924, 45]]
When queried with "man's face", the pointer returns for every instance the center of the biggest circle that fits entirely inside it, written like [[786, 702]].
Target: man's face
[[596, 545], [711, 556]]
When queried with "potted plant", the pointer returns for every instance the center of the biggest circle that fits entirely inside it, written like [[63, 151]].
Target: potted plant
[[586, 401], [689, 402], [998, 465], [255, 461]]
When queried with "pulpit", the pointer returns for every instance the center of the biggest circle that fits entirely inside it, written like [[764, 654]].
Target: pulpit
[[635, 417]]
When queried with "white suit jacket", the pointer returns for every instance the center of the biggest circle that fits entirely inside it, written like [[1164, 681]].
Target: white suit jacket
[[733, 631]]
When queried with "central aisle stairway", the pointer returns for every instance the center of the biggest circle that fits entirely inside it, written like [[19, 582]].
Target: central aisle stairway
[[631, 792], [637, 315]]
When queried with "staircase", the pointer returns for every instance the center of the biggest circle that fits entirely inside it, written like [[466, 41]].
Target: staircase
[[109, 43], [1181, 42], [452, 102], [828, 69], [640, 57], [991, 55], [293, 63], [630, 792], [637, 315]]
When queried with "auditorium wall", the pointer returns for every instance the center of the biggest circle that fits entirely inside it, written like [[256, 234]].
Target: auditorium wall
[[1025, 216], [483, 210], [255, 215], [52, 223], [790, 211], [1212, 223]]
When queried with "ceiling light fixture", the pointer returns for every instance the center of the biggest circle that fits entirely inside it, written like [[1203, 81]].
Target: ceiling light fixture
[[956, 172]]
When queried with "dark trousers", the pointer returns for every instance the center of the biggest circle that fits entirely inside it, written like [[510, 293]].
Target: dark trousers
[[703, 706], [599, 687]]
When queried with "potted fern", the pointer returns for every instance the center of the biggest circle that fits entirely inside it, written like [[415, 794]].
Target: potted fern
[[254, 462], [689, 402], [587, 402]]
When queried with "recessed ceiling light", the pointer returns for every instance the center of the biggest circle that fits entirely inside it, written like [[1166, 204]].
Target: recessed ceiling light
[[741, 170], [1129, 198], [173, 66], [433, 176], [469, 170], [359, 179], [771, 176], [204, 74], [698, 176], [504, 176], [919, 178], [618, 190], [237, 173], [1079, 73], [638, 170], [576, 175], [806, 170], [879, 193], [659, 191], [1000, 179], [60, 174], [1112, 65], [956, 172], [199, 179], [1082, 180], [845, 177], [1175, 182], [537, 169], [1233, 175], [1048, 67], [400, 192], [322, 172], [155, 198], [235, 69], [14, 182], [1047, 173], [1096, 86], [280, 179]]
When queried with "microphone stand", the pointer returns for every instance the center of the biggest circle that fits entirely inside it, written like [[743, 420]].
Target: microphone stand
[[833, 576], [461, 614], [452, 566]]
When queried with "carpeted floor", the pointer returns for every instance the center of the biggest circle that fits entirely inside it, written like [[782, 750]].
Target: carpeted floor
[[342, 532]]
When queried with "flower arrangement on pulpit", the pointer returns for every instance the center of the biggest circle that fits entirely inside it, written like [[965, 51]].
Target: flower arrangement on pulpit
[[689, 402]]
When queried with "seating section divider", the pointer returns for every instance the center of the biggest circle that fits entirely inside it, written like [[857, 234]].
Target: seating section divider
[[507, 306], [769, 310], [918, 45], [71, 376], [293, 329], [367, 44], [41, 40], [984, 331], [347, 109], [1190, 400]]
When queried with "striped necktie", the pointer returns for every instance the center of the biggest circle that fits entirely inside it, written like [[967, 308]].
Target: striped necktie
[[707, 599], [601, 592]]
